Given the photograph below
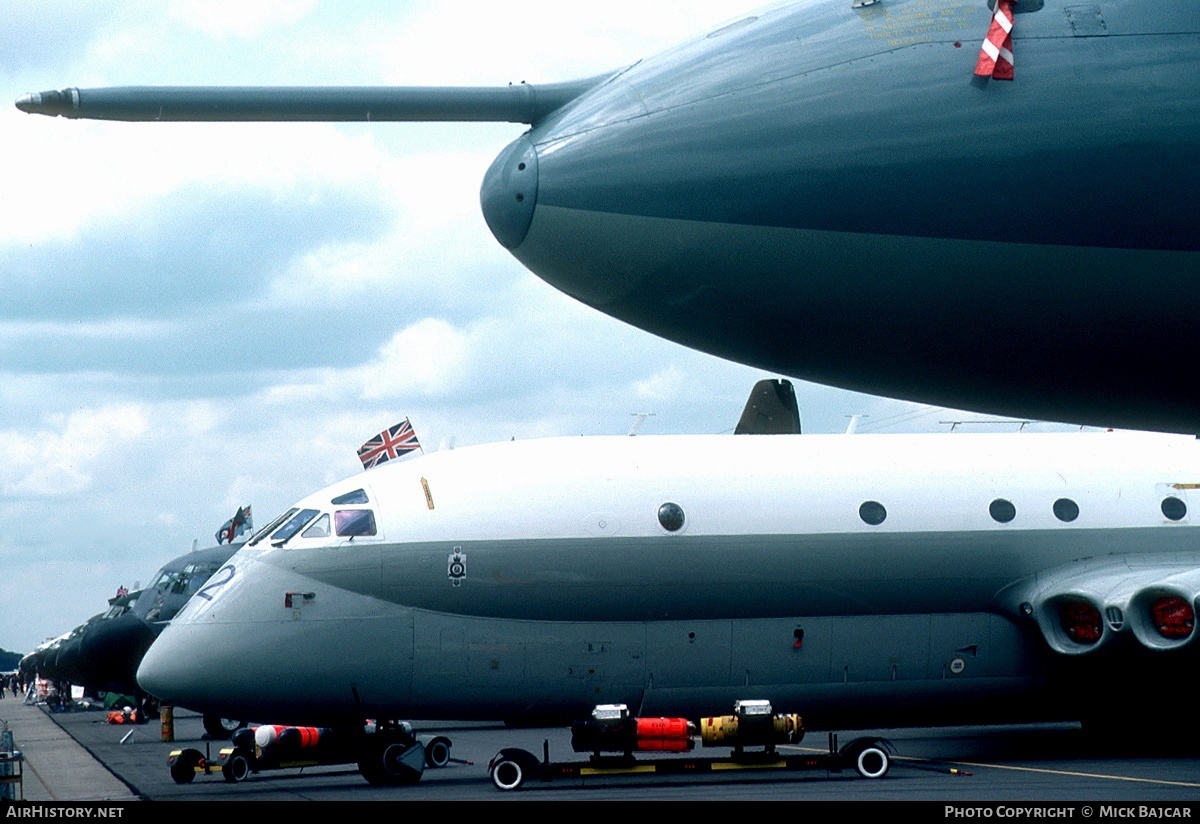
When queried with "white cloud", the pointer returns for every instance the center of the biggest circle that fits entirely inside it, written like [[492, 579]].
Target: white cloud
[[120, 329], [427, 356], [63, 457], [664, 384], [437, 240], [239, 18], [201, 418], [486, 43], [87, 171]]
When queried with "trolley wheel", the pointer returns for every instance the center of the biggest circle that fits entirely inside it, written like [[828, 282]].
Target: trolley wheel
[[437, 752], [183, 769], [236, 769], [871, 761], [510, 769]]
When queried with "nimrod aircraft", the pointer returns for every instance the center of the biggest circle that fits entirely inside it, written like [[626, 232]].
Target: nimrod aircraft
[[103, 653], [950, 201], [879, 580]]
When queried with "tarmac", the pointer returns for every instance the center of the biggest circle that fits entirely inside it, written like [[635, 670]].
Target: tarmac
[[55, 766], [77, 757]]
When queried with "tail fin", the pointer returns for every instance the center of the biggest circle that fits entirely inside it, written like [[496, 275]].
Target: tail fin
[[770, 410]]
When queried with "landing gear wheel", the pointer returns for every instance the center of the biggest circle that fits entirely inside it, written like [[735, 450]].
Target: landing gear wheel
[[221, 728], [236, 769], [148, 707]]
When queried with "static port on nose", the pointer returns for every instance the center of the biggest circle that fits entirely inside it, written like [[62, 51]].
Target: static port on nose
[[509, 193]]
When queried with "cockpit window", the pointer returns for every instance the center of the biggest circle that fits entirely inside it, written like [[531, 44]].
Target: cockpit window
[[197, 574], [352, 522], [319, 529], [269, 528], [358, 496], [116, 611], [180, 582], [171, 581], [297, 523], [187, 580]]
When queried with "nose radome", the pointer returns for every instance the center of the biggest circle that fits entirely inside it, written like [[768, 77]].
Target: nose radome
[[166, 670], [509, 193]]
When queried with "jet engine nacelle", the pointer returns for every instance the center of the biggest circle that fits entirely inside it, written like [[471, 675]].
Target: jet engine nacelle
[[1081, 610]]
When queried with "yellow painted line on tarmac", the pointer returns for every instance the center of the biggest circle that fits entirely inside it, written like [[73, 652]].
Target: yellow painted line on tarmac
[[1071, 773], [1043, 770]]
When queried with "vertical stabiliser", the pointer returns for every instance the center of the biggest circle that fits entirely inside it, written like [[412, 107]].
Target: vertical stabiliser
[[770, 410]]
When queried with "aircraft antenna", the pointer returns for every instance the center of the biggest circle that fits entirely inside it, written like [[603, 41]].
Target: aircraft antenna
[[954, 425], [637, 424]]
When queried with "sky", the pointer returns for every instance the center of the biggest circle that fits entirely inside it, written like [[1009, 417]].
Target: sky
[[195, 317]]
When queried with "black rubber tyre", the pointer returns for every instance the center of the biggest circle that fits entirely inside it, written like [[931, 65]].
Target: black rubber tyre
[[872, 762], [508, 774], [236, 769], [183, 771], [510, 769], [437, 752]]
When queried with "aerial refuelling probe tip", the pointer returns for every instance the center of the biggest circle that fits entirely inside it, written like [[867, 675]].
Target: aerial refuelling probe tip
[[50, 103]]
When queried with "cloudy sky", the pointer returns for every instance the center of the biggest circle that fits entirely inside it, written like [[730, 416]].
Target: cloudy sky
[[199, 316]]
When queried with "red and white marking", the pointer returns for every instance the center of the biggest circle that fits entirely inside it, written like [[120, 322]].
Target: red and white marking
[[996, 56]]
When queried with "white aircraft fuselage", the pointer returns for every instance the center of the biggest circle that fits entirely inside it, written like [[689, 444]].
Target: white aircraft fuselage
[[858, 580]]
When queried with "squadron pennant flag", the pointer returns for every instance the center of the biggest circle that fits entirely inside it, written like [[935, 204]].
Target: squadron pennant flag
[[388, 444], [996, 56], [241, 522]]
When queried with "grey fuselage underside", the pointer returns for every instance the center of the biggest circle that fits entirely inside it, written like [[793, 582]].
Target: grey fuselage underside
[[830, 194], [916, 635]]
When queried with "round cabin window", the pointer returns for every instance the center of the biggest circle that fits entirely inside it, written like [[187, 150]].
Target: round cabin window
[[671, 517], [1002, 511], [872, 512]]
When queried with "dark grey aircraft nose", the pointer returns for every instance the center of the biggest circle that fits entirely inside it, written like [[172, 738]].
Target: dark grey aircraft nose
[[509, 193]]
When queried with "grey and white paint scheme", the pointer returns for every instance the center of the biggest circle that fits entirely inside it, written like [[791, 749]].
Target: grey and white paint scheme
[[825, 190], [858, 580], [102, 654]]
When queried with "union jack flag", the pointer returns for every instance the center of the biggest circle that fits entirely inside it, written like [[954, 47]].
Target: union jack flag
[[388, 444]]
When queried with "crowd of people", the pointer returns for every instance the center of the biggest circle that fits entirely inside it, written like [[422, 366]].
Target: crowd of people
[[12, 681]]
